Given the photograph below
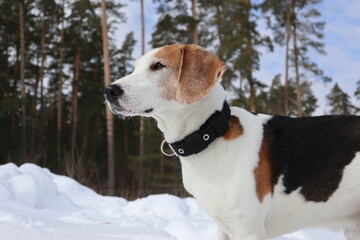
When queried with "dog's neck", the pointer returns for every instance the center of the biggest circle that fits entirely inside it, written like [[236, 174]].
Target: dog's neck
[[179, 121]]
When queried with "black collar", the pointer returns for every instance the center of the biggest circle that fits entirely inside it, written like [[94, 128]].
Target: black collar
[[214, 127]]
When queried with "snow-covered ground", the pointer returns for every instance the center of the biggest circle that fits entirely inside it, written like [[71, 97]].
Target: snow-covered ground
[[37, 204]]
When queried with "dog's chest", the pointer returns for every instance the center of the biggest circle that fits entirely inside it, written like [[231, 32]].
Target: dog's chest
[[212, 183], [221, 178]]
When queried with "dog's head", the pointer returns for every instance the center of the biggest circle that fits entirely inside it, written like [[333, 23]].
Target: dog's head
[[178, 73]]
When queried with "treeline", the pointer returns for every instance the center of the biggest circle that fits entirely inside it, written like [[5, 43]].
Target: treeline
[[52, 109]]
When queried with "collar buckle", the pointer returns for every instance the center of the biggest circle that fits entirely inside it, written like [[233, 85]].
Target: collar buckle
[[163, 151]]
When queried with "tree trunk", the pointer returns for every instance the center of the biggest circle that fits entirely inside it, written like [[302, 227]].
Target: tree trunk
[[219, 24], [194, 30], [109, 118], [126, 154], [95, 136], [74, 105], [33, 122], [34, 103], [249, 53], [14, 90], [241, 92], [296, 62], [22, 80], [7, 80], [252, 94], [286, 85], [142, 27], [43, 121], [7, 67], [142, 133], [60, 83]]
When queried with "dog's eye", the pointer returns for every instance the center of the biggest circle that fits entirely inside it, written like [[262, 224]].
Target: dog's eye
[[156, 66]]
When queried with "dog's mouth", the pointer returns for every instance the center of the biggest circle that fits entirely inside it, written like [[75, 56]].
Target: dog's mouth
[[148, 110], [118, 109]]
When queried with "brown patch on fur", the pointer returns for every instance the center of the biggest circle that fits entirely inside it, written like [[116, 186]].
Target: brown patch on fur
[[263, 172], [199, 71], [193, 72], [235, 129], [171, 57]]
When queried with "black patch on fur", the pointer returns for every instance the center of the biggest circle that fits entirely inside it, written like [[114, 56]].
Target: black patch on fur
[[311, 152]]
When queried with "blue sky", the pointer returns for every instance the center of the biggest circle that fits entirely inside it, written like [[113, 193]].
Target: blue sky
[[342, 43]]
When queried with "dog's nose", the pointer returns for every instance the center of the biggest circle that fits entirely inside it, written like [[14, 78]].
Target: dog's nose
[[113, 92]]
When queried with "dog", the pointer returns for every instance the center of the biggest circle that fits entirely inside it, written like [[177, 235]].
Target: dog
[[258, 176]]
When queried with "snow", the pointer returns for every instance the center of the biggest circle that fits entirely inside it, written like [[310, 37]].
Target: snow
[[36, 204]]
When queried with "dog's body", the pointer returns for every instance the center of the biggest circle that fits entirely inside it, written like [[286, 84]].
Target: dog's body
[[267, 175]]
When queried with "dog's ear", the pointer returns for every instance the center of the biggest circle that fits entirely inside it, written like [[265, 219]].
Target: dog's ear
[[198, 72]]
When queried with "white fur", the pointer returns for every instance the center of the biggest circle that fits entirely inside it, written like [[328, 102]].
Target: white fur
[[221, 177]]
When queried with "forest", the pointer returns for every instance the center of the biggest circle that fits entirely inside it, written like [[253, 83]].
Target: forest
[[56, 56]]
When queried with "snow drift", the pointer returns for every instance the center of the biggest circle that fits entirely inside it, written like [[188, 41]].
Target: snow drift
[[37, 204]]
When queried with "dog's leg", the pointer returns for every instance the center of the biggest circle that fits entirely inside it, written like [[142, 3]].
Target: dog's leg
[[242, 233], [249, 233], [222, 235], [352, 234], [251, 236]]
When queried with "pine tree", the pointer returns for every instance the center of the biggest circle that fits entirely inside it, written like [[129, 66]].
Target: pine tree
[[276, 97], [357, 91], [240, 40], [10, 117], [357, 95], [122, 63], [84, 53], [271, 101], [22, 79], [308, 100], [60, 81], [339, 101], [297, 20], [279, 21], [307, 34], [109, 119], [17, 72], [53, 37], [44, 22], [175, 25]]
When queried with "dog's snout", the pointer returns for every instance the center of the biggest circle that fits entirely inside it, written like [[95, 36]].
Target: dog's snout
[[113, 92]]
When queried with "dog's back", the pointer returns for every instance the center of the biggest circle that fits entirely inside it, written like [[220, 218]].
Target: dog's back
[[312, 152], [315, 164]]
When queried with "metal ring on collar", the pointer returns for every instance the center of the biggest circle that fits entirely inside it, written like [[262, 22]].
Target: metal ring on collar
[[206, 137], [162, 149]]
